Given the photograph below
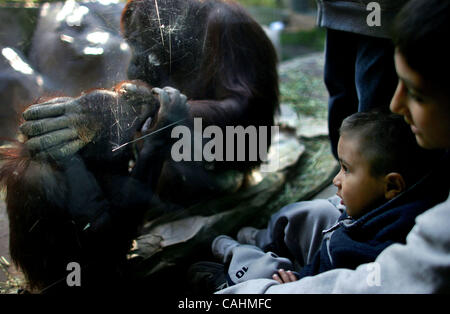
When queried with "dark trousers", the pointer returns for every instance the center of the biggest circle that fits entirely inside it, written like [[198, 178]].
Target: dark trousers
[[359, 75]]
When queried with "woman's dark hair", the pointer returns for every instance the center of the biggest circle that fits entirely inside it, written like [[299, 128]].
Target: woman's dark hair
[[420, 33], [385, 140]]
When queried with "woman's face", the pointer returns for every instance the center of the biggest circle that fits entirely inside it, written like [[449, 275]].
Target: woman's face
[[424, 107]]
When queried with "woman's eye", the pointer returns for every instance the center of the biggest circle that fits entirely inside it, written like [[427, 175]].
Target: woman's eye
[[415, 96]]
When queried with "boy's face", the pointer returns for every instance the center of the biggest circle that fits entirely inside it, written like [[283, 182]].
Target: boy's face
[[426, 109], [359, 190]]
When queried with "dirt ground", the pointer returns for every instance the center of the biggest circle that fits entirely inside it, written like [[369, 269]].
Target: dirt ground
[[10, 278]]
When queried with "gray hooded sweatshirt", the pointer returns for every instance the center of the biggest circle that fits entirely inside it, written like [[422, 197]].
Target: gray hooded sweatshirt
[[422, 265]]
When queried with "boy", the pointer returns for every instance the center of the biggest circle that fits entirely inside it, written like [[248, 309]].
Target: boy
[[422, 264], [379, 160]]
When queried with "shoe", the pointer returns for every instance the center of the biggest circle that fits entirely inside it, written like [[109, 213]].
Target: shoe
[[247, 235], [206, 278], [222, 246]]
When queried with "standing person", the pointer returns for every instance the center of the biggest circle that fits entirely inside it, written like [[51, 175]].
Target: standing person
[[359, 68], [422, 264]]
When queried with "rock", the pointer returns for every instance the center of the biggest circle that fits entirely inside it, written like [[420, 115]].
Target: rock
[[168, 240], [288, 117], [169, 243], [310, 127], [304, 126]]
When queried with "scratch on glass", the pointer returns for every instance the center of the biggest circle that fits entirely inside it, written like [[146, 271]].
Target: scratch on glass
[[146, 135], [159, 21]]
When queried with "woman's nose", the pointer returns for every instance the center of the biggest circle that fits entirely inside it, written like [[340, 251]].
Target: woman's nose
[[398, 100]]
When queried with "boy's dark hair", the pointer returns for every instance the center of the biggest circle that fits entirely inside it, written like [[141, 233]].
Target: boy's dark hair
[[420, 32], [387, 143]]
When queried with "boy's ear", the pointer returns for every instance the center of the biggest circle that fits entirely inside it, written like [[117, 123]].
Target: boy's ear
[[394, 185]]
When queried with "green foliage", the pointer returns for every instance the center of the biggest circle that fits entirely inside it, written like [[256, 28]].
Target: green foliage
[[298, 95], [262, 3], [305, 93], [314, 38]]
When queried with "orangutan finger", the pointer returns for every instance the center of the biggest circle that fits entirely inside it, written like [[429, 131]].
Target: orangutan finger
[[38, 127], [44, 142]]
